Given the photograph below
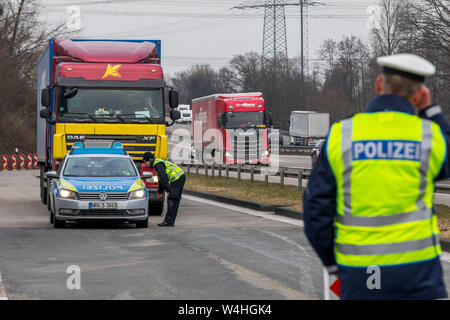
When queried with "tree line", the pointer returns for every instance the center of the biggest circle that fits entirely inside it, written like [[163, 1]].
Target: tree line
[[343, 81], [22, 39]]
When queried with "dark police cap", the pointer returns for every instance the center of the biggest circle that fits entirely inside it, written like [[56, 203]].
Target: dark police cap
[[148, 156]]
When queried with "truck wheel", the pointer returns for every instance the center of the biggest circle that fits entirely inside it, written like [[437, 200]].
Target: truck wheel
[[156, 209], [42, 186], [142, 224]]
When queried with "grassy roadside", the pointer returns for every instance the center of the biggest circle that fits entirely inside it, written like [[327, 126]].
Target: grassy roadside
[[273, 194]]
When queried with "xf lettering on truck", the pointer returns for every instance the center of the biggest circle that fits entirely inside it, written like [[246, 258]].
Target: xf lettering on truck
[[102, 188]]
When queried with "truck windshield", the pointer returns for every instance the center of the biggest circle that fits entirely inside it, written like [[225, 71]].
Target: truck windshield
[[245, 119], [99, 167], [123, 105]]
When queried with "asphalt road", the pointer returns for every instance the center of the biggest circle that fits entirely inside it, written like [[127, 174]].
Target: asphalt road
[[216, 251]]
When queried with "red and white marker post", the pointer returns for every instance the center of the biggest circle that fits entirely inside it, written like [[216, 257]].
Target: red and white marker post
[[35, 165], [14, 162], [332, 286], [5, 162], [22, 161], [30, 161]]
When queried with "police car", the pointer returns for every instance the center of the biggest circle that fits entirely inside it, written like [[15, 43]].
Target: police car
[[98, 180]]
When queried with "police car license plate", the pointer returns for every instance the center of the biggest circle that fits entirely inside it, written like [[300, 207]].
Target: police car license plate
[[102, 205]]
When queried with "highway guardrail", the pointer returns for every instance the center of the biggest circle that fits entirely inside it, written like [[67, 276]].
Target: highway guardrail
[[223, 170]]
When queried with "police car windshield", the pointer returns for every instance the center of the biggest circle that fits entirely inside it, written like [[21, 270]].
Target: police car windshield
[[99, 167]]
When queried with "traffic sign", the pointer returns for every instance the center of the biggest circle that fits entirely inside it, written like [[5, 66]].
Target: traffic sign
[[332, 286]]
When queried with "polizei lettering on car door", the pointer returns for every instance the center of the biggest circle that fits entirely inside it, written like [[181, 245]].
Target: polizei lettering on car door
[[386, 150], [103, 188]]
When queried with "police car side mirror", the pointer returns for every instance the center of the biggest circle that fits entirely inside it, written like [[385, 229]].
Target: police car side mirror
[[51, 175], [147, 175]]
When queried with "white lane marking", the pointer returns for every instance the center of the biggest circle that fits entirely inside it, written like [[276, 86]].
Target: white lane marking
[[445, 256], [257, 213], [3, 295]]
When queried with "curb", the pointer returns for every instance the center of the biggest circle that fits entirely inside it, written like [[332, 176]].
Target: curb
[[229, 200], [290, 213]]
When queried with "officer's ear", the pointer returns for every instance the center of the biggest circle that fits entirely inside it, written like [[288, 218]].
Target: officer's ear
[[379, 85]]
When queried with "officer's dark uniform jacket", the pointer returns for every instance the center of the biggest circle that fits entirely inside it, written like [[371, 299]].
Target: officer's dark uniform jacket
[[419, 280]]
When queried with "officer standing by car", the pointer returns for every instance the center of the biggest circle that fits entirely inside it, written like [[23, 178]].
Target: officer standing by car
[[368, 207], [171, 179]]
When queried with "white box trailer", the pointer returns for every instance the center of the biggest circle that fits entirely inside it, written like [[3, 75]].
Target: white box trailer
[[307, 127]]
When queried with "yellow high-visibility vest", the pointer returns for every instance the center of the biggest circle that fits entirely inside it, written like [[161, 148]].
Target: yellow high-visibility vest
[[173, 171], [385, 164]]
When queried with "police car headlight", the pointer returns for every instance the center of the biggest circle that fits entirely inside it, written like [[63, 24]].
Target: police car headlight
[[138, 194], [67, 194]]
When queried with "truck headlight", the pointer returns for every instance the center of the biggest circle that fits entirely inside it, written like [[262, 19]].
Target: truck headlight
[[67, 194], [137, 194]]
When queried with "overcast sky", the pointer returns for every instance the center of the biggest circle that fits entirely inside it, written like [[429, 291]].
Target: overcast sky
[[208, 31]]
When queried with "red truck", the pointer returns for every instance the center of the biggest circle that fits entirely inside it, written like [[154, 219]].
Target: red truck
[[240, 125]]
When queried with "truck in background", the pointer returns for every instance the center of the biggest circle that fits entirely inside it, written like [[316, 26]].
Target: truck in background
[[102, 90], [186, 114], [241, 119], [307, 127]]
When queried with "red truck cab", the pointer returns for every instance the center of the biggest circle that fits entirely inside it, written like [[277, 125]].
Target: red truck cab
[[241, 123]]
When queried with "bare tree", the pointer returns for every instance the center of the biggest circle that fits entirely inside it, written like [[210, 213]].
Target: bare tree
[[390, 31], [22, 37]]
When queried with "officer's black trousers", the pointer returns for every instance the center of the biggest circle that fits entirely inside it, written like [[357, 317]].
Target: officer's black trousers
[[173, 202]]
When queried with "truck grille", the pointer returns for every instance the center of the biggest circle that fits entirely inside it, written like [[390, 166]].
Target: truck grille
[[109, 196], [247, 148]]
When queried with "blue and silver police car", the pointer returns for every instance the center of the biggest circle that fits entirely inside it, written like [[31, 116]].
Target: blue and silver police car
[[98, 180]]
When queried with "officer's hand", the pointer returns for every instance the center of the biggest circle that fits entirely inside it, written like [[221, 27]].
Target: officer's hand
[[159, 195], [332, 269], [167, 195], [422, 99]]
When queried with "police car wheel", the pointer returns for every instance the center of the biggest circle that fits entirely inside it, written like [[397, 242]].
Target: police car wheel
[[59, 223], [142, 224]]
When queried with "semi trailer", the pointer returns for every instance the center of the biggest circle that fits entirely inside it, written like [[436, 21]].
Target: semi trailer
[[307, 127]]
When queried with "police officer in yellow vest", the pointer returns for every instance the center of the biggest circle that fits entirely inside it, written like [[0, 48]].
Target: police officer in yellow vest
[[368, 206], [171, 179]]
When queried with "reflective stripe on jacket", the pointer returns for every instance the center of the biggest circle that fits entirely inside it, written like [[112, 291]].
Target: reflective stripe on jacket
[[385, 164], [173, 171]]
